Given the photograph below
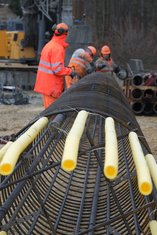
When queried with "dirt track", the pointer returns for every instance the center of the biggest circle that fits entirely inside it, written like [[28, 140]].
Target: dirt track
[[14, 117]]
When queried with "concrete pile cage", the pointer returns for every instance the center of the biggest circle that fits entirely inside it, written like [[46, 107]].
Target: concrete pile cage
[[39, 197]]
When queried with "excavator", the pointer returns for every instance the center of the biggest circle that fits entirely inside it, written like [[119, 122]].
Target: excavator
[[11, 36], [21, 40]]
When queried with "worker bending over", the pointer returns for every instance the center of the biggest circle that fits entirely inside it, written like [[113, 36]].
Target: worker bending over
[[51, 69], [82, 63]]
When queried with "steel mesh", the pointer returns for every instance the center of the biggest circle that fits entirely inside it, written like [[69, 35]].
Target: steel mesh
[[41, 198]]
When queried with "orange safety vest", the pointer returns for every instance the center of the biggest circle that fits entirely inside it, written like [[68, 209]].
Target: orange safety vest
[[51, 69], [109, 65], [79, 63]]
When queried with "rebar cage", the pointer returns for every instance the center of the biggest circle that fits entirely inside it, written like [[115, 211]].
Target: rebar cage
[[39, 197]]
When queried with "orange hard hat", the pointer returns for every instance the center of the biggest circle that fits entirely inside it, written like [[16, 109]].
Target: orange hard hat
[[92, 49], [105, 50], [61, 28]]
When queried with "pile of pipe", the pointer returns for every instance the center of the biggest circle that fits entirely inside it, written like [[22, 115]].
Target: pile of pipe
[[82, 166], [144, 94]]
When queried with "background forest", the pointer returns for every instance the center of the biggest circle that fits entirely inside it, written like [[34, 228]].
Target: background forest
[[128, 27]]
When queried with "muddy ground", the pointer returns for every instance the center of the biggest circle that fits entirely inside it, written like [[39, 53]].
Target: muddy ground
[[14, 117]]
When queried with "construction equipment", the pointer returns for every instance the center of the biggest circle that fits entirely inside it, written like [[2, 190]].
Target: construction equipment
[[40, 197], [18, 63], [21, 40], [11, 37]]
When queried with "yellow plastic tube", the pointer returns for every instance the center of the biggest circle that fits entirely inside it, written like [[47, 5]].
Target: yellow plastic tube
[[4, 149], [111, 150], [12, 154], [152, 165], [70, 153], [143, 174], [3, 233], [153, 227]]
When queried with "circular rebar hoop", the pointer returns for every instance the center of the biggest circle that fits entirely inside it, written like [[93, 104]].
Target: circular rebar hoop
[[41, 198]]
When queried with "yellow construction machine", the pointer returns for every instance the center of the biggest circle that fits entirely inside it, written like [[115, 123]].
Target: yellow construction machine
[[11, 47]]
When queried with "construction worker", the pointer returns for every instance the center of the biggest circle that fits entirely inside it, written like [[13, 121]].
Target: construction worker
[[51, 69], [82, 63], [105, 63]]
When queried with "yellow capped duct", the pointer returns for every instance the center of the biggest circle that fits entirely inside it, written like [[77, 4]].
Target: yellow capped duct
[[12, 154], [152, 165], [3, 233], [143, 175], [4, 149], [70, 153], [153, 227], [111, 150]]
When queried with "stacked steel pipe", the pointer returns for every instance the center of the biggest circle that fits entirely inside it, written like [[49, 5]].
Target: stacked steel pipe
[[104, 191], [144, 94]]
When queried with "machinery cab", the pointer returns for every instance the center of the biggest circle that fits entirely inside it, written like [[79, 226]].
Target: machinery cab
[[11, 36]]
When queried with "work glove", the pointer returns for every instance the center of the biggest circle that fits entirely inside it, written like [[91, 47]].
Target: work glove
[[101, 66], [117, 69], [74, 74], [92, 64], [91, 70]]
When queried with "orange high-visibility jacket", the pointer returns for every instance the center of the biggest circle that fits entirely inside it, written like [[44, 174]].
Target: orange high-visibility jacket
[[109, 65], [80, 62], [51, 69]]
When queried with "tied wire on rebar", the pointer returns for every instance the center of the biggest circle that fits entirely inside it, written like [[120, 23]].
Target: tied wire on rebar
[[41, 198]]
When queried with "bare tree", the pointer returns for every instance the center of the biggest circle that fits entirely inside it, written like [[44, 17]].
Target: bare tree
[[129, 27]]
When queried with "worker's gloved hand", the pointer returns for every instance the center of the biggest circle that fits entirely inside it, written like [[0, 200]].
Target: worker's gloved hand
[[91, 69], [74, 74], [101, 66], [117, 69], [92, 64]]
